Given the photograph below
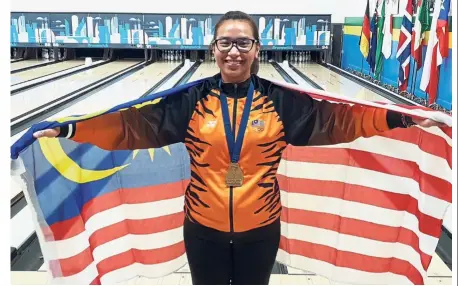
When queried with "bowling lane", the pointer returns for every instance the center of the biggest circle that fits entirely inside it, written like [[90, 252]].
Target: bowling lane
[[42, 71], [206, 69], [26, 101], [267, 71], [26, 63], [127, 89], [335, 83]]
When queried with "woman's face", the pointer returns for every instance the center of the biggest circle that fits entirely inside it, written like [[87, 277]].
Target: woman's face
[[234, 64]]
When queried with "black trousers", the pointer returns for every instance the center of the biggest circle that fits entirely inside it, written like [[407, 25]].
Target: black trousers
[[220, 258]]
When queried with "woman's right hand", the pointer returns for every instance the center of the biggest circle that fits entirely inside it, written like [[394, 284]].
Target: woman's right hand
[[50, 133]]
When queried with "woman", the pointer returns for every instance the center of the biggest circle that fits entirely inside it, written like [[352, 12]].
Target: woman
[[232, 204]]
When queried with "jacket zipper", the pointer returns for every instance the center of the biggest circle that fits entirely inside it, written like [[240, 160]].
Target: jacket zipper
[[231, 189]]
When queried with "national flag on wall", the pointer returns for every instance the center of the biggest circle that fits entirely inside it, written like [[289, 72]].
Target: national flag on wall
[[442, 29], [380, 39], [435, 52], [365, 33], [364, 212], [371, 59], [387, 32], [404, 47], [422, 24]]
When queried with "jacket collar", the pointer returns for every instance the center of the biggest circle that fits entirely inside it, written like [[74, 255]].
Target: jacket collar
[[232, 90]]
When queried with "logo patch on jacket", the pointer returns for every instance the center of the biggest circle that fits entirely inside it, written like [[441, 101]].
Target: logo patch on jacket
[[258, 125], [211, 123]]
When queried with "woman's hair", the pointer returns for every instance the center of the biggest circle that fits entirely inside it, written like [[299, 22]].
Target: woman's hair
[[241, 16]]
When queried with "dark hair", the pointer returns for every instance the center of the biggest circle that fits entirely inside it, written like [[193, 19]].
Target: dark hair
[[238, 15]]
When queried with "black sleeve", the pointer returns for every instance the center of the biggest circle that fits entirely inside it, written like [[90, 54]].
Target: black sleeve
[[312, 122], [151, 125]]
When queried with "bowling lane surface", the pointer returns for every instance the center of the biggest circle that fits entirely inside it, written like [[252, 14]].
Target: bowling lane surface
[[26, 101], [335, 83], [127, 89], [206, 69], [26, 63], [42, 71], [267, 71]]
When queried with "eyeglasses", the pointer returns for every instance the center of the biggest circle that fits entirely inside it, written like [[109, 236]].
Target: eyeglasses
[[244, 45]]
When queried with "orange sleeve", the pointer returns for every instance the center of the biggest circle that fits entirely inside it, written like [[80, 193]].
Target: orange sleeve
[[115, 131]]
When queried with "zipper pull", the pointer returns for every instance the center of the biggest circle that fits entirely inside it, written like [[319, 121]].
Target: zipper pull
[[230, 241]]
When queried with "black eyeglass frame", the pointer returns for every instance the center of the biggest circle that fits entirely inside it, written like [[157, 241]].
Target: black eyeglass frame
[[234, 42]]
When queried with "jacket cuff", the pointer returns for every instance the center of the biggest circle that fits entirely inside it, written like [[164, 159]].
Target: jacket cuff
[[67, 131], [398, 120]]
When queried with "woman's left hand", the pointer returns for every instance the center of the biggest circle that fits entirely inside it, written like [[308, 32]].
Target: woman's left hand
[[428, 123]]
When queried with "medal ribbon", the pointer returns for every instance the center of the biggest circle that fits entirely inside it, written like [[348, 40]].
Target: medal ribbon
[[235, 146]]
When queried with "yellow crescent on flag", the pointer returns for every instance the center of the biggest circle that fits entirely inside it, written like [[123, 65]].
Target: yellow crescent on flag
[[56, 156]]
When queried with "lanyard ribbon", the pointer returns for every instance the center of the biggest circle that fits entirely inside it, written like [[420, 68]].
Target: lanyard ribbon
[[235, 146]]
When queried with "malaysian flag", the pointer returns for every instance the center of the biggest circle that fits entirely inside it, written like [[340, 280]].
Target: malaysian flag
[[404, 47], [368, 211]]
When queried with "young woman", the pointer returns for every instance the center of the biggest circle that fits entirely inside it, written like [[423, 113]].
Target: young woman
[[235, 127]]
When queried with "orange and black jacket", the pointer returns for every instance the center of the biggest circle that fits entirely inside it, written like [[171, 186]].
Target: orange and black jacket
[[278, 117]]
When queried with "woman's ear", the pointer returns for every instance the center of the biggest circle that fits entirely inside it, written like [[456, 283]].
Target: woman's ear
[[258, 48]]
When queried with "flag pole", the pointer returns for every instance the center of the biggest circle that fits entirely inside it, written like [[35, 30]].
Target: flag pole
[[362, 64], [415, 79], [411, 77]]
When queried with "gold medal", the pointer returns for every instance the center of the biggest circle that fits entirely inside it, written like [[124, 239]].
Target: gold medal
[[234, 176]]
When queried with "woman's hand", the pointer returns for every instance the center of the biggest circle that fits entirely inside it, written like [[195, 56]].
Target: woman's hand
[[49, 133], [427, 123]]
